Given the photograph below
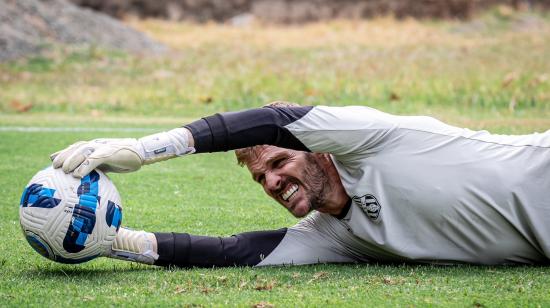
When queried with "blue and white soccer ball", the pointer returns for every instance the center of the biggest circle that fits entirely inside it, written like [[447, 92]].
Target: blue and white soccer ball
[[70, 220]]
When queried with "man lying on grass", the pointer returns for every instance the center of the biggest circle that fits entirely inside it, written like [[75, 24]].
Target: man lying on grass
[[371, 186]]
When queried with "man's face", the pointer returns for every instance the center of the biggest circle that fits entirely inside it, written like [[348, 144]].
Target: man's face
[[294, 178]]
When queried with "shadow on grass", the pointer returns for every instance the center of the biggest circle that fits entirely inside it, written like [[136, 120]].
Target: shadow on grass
[[110, 271], [94, 271], [467, 271]]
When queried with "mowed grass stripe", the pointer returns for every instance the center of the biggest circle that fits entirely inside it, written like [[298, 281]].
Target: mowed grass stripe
[[41, 129]]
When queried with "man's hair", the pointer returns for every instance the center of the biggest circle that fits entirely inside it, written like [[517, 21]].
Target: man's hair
[[246, 155]]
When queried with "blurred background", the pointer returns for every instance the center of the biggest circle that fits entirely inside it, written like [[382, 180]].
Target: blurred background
[[300, 11], [482, 63]]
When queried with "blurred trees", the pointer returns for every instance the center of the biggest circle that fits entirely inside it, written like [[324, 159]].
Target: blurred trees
[[296, 11]]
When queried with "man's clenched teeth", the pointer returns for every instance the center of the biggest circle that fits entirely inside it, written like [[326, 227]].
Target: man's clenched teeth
[[293, 188]]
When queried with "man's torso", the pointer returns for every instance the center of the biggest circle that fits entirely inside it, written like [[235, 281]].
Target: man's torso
[[427, 191]]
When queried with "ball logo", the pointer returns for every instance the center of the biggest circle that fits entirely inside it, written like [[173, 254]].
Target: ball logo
[[369, 205]]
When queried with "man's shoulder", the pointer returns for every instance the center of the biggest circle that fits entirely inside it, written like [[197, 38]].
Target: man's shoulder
[[319, 221]]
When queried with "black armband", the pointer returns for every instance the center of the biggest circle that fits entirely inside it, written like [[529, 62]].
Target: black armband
[[244, 249], [235, 130]]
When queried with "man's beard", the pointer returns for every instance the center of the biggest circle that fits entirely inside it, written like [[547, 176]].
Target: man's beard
[[317, 182]]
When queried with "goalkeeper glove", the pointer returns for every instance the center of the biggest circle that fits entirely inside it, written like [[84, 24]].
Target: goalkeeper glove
[[122, 155]]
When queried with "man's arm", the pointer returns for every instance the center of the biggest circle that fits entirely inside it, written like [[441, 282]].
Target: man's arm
[[235, 130], [334, 130], [220, 132], [309, 242], [244, 249]]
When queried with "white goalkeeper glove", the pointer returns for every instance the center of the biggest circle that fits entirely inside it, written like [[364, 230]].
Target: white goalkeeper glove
[[122, 155]]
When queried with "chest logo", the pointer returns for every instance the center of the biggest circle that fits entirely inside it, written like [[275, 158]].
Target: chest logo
[[369, 205]]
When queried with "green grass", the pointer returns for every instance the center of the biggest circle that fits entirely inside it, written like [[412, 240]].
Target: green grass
[[484, 74], [210, 195]]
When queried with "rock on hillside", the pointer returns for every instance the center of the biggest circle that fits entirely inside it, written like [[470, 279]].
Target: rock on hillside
[[27, 26]]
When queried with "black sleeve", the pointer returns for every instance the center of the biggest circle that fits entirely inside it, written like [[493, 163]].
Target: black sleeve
[[244, 249], [234, 130]]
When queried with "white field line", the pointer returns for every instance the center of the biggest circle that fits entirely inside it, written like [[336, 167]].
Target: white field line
[[38, 129]]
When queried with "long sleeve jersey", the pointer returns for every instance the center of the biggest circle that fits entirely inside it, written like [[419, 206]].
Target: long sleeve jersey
[[420, 190]]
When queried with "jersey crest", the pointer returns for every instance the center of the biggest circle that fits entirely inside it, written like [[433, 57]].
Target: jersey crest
[[369, 205]]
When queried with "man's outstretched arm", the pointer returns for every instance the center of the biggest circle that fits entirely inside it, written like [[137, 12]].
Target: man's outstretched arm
[[305, 243], [220, 132], [235, 130], [244, 249], [335, 130]]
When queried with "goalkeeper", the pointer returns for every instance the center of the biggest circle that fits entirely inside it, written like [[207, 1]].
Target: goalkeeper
[[371, 187]]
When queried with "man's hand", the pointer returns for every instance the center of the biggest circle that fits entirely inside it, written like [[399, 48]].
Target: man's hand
[[122, 155], [116, 155]]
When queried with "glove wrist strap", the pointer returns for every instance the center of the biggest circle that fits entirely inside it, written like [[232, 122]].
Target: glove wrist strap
[[165, 145]]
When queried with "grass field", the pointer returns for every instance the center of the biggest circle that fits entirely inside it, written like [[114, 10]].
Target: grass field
[[490, 73]]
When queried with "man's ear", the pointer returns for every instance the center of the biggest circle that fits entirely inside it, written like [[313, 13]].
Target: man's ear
[[323, 159]]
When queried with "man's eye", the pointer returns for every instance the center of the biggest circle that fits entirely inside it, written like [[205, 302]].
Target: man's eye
[[261, 179], [278, 163]]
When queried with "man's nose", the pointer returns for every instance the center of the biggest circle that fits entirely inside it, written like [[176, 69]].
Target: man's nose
[[272, 181]]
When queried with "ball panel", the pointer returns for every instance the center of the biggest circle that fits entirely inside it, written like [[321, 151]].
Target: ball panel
[[39, 245], [114, 214], [75, 260], [36, 195], [34, 218]]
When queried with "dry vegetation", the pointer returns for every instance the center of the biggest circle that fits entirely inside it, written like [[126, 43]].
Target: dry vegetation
[[489, 72]]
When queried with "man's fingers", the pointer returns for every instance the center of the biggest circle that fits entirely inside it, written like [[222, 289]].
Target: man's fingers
[[76, 158], [54, 155], [60, 156], [92, 160], [86, 167], [118, 155]]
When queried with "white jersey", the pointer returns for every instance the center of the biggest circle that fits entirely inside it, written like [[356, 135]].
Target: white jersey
[[423, 191]]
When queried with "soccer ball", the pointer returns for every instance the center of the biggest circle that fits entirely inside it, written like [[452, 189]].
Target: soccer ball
[[70, 220]]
